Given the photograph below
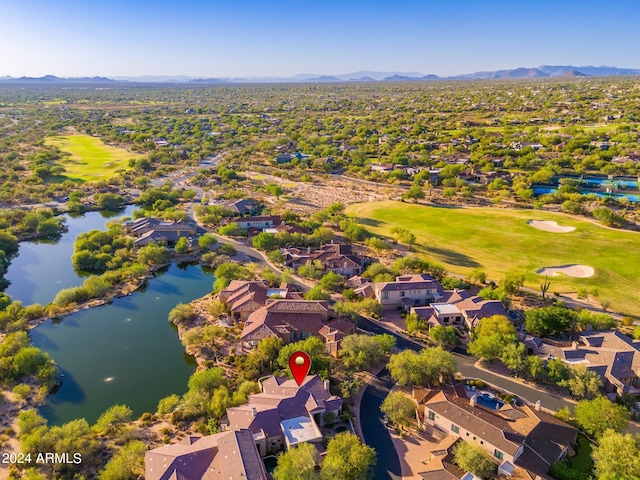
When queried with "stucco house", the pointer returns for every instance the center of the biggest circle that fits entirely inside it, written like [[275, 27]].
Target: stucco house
[[407, 291], [513, 436]]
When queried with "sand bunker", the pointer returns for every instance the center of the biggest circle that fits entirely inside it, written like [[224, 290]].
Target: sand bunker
[[572, 270], [550, 226]]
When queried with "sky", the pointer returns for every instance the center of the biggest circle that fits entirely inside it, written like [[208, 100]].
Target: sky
[[241, 38]]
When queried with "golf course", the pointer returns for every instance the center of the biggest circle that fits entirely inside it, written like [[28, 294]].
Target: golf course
[[90, 158], [498, 241]]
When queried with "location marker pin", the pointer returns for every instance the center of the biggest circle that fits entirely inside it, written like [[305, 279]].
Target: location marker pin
[[299, 363]]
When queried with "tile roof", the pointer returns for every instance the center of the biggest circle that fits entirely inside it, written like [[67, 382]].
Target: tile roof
[[226, 455]]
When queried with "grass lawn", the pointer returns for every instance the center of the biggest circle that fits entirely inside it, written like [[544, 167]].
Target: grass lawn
[[499, 240], [582, 461], [91, 159]]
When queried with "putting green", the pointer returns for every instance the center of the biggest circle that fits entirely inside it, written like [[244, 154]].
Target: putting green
[[91, 159], [500, 240]]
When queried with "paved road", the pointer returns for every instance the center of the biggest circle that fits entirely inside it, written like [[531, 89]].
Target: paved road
[[373, 430], [466, 366]]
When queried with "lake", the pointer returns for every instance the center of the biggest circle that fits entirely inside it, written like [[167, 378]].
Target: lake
[[126, 352], [43, 267]]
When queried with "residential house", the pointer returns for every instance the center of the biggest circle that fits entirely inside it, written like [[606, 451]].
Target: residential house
[[291, 320], [259, 223], [407, 291], [294, 320], [441, 466], [333, 332], [221, 456], [154, 230], [458, 308], [516, 437], [285, 414], [243, 297], [242, 207], [334, 257], [383, 168], [611, 354]]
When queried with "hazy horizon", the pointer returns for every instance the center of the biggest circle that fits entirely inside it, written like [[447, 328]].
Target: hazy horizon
[[205, 39]]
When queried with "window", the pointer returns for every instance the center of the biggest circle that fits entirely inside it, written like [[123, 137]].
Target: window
[[498, 454], [385, 295], [432, 415], [402, 294], [303, 335], [455, 428], [293, 336]]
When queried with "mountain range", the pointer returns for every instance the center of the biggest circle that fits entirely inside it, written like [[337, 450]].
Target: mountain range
[[542, 71]]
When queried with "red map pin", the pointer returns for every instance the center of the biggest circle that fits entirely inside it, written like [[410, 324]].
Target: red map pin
[[299, 363]]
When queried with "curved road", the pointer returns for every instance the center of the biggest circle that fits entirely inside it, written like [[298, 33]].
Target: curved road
[[466, 366], [374, 431]]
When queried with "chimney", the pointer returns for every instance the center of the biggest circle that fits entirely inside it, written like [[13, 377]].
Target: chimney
[[537, 406], [254, 412], [575, 345], [473, 401], [326, 386]]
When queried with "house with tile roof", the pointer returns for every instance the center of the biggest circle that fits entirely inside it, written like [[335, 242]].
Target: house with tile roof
[[407, 291], [294, 320], [224, 455], [284, 414], [245, 297], [457, 308], [334, 257], [149, 230], [611, 354], [519, 436]]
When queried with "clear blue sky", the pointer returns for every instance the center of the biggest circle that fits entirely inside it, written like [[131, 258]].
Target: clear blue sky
[[216, 38]]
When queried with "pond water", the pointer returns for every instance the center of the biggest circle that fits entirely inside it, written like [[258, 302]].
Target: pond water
[[126, 352], [43, 267]]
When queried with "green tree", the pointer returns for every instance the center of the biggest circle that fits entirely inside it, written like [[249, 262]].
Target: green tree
[[424, 368], [314, 347], [348, 459], [316, 293], [550, 320], [204, 382], [231, 229], [513, 356], [472, 458], [207, 240], [332, 281], [110, 201], [152, 254], [414, 323], [126, 464], [443, 335], [399, 408], [512, 282], [414, 193], [583, 383], [168, 404], [297, 463], [182, 246], [599, 415], [361, 352], [265, 241], [490, 337], [617, 456], [182, 314], [113, 419]]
